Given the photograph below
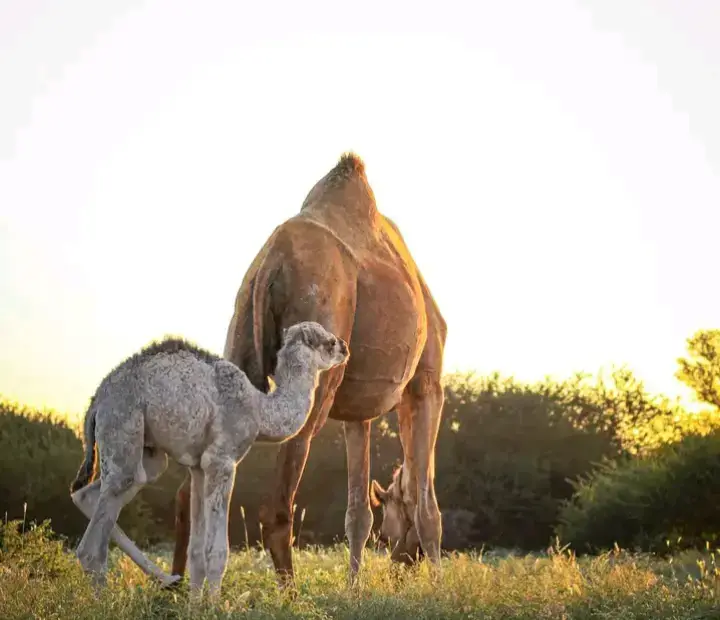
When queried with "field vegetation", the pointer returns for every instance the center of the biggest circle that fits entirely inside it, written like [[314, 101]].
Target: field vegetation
[[580, 498]]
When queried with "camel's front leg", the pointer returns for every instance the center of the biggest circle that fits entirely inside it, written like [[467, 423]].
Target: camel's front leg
[[276, 511], [359, 516], [219, 480]]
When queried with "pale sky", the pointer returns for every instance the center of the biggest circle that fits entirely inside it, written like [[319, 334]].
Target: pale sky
[[554, 167]]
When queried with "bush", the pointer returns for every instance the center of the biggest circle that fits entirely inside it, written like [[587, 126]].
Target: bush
[[667, 497], [32, 549], [506, 452], [39, 456]]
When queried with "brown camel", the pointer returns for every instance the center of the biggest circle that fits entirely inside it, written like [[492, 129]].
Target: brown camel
[[341, 263]]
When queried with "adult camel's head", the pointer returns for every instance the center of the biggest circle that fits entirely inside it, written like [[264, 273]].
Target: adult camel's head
[[398, 525]]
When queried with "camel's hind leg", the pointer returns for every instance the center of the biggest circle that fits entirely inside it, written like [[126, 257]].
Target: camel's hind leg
[[426, 398], [276, 512], [86, 499], [182, 527], [122, 475], [359, 516]]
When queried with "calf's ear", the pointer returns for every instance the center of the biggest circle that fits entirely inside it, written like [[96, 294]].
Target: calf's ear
[[311, 337]]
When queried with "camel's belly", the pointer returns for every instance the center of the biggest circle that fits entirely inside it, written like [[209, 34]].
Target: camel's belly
[[387, 339], [180, 412], [365, 400], [181, 430]]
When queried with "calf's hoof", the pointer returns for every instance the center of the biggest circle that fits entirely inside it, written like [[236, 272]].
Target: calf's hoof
[[171, 582]]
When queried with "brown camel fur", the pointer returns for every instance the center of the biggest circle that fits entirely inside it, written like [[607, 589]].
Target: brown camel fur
[[341, 263]]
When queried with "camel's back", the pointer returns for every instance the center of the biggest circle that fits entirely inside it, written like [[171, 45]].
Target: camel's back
[[176, 394]]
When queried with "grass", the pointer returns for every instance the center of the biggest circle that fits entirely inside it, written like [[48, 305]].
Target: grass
[[40, 578]]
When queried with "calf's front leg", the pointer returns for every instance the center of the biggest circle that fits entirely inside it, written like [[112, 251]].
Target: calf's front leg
[[196, 545], [219, 481]]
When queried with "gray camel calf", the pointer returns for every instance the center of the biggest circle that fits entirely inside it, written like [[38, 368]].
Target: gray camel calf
[[175, 399]]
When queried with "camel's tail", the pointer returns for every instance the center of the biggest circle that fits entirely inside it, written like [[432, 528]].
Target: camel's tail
[[87, 467], [264, 327]]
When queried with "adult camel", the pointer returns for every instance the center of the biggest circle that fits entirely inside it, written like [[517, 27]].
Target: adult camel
[[341, 263]]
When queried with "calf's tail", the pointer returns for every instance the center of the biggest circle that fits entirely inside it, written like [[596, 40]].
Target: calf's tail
[[87, 467]]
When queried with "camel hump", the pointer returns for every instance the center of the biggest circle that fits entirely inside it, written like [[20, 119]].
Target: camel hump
[[344, 189], [349, 165]]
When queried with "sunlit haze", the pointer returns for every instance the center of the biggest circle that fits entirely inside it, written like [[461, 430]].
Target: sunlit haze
[[554, 168]]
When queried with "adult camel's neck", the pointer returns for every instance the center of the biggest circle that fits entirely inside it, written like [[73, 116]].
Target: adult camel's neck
[[284, 411]]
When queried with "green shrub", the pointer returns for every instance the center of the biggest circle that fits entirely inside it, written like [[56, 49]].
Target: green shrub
[[39, 456], [667, 497], [507, 451], [32, 549]]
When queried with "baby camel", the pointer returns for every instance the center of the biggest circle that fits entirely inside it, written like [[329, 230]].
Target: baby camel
[[175, 399]]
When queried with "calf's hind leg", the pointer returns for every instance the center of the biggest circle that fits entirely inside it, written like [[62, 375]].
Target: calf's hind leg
[[86, 499], [121, 477]]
